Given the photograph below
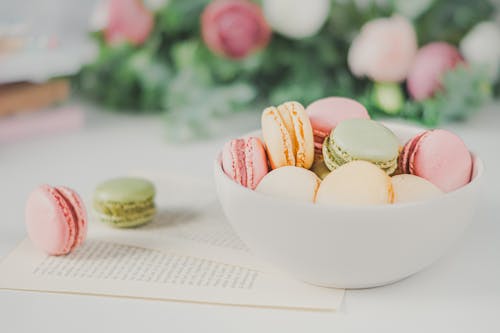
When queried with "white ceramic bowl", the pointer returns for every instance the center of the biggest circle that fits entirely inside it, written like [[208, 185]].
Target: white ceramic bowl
[[349, 247]]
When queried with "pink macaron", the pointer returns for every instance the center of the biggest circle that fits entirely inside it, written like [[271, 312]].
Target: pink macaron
[[245, 161], [56, 219], [326, 113], [439, 156]]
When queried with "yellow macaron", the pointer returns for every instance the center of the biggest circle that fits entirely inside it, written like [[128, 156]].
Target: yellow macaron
[[356, 183], [288, 135], [290, 182]]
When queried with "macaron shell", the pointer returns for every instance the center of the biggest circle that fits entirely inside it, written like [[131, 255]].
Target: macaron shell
[[442, 158], [366, 139], [233, 161], [277, 138], [290, 182], [80, 214], [126, 189], [49, 221], [255, 162], [302, 134], [411, 188], [404, 156], [286, 118], [356, 183], [326, 113], [126, 220]]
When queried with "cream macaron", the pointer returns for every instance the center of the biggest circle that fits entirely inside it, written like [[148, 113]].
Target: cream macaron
[[288, 136], [356, 183], [410, 188], [290, 182]]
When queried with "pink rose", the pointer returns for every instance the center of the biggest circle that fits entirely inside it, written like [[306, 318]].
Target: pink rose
[[234, 28], [431, 62], [128, 20], [384, 50]]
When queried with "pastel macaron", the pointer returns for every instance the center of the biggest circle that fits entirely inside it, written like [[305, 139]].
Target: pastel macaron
[[125, 202], [319, 167], [326, 113], [56, 219], [244, 161], [288, 136], [439, 156], [290, 182], [410, 188], [361, 139], [356, 183]]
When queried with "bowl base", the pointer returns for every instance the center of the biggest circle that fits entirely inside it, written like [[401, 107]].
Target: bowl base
[[356, 286]]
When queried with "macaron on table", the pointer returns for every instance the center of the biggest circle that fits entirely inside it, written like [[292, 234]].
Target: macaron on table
[[377, 203], [56, 217], [125, 202]]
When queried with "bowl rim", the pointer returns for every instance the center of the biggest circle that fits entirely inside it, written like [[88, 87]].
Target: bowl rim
[[478, 170]]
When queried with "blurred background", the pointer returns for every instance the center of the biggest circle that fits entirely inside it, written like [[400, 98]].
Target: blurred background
[[191, 65]]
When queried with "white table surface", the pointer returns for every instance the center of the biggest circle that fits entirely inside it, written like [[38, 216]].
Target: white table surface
[[460, 293]]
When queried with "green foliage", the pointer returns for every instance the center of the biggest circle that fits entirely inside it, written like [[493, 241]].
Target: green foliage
[[175, 73], [449, 21], [464, 90]]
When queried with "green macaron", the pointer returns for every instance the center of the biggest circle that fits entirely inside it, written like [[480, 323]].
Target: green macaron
[[361, 139], [125, 202]]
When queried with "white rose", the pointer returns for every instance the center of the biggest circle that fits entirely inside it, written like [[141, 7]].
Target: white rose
[[296, 18], [481, 46], [100, 16]]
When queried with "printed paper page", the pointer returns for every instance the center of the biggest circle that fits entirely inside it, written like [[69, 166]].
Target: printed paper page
[[202, 232], [189, 220], [105, 268]]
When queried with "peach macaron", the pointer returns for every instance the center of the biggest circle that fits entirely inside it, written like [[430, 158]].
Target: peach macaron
[[356, 183], [288, 135]]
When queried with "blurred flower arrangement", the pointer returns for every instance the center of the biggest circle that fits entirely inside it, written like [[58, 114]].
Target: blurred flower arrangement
[[198, 60]]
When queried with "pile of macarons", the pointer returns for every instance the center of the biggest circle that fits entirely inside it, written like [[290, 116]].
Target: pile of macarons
[[56, 217], [333, 153]]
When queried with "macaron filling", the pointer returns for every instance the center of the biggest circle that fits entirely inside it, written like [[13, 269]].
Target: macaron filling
[[239, 161], [404, 158], [249, 167], [118, 208], [70, 217], [319, 138], [410, 152], [129, 213], [79, 213]]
